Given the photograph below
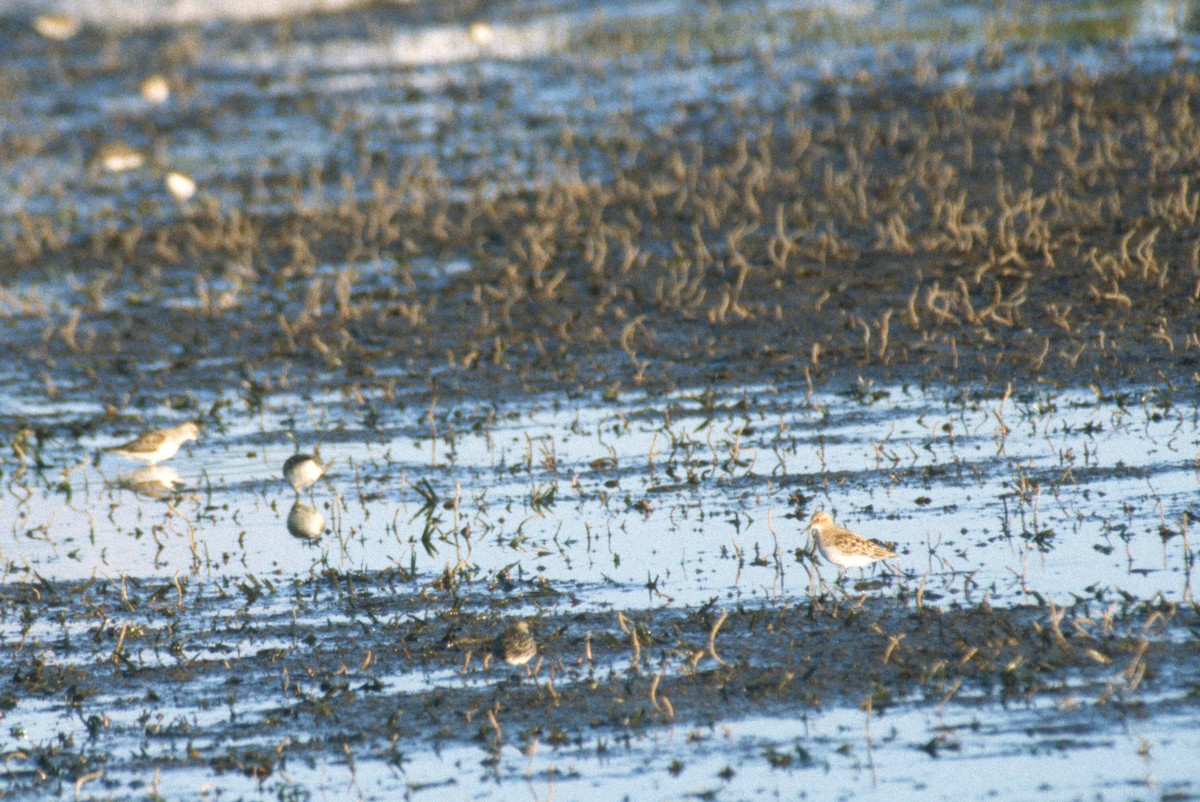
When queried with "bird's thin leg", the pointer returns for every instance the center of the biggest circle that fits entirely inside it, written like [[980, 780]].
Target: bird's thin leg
[[825, 586]]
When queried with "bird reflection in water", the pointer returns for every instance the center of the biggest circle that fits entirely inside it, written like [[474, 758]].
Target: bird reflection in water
[[305, 521], [155, 481]]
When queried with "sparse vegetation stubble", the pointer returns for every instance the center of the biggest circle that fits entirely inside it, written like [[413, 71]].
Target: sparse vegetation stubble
[[1041, 232]]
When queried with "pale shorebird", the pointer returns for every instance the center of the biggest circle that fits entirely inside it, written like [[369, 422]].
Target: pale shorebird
[[56, 27], [516, 645], [155, 89], [302, 470], [158, 445], [842, 547], [181, 186], [118, 157]]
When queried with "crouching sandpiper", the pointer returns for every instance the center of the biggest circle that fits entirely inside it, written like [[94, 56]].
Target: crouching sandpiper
[[516, 645]]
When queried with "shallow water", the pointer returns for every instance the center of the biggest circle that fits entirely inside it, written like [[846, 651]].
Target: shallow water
[[531, 72], [1059, 496], [835, 755]]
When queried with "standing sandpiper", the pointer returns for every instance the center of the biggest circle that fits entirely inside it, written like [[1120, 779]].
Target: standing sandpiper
[[515, 645], [302, 470], [842, 547], [158, 445]]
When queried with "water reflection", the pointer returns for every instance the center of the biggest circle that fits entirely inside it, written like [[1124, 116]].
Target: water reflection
[[151, 480], [305, 521]]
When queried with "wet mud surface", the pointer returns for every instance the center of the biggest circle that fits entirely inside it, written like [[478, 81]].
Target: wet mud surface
[[263, 682], [1042, 232]]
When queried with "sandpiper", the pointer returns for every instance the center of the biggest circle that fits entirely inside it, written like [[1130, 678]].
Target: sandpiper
[[158, 445], [155, 89], [515, 645], [842, 547], [302, 470], [181, 186], [118, 157], [56, 27]]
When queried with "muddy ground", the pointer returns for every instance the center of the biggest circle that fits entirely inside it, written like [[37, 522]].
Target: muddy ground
[[270, 677], [1043, 233]]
